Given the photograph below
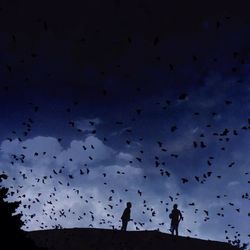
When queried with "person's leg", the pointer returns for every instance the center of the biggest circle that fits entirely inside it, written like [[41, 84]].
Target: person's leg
[[177, 230], [125, 225], [172, 228]]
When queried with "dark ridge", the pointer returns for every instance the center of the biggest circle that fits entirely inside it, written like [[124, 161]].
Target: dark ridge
[[104, 239]]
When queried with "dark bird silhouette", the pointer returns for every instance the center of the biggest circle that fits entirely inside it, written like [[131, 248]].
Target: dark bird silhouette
[[184, 180]]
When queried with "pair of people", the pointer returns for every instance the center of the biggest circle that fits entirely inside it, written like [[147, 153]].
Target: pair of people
[[175, 217]]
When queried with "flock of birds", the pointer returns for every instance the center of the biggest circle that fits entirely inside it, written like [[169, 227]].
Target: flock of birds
[[60, 177]]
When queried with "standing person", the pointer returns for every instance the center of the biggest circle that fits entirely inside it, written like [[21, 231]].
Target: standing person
[[126, 216], [175, 217]]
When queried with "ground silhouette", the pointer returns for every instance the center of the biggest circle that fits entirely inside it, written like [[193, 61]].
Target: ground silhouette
[[103, 239]]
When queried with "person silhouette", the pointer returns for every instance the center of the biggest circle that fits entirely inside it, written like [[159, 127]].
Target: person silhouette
[[126, 216], [175, 217]]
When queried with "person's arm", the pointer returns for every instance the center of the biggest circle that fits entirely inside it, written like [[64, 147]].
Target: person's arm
[[123, 214], [180, 215]]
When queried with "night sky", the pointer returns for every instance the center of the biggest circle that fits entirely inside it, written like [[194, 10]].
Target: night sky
[[107, 102]]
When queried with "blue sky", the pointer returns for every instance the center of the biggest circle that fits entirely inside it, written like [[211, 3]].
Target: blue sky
[[93, 115]]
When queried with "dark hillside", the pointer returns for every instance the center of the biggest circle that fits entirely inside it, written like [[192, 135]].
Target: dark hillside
[[80, 238]]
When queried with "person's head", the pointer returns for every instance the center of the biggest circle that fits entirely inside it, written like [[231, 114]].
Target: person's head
[[129, 204], [175, 206]]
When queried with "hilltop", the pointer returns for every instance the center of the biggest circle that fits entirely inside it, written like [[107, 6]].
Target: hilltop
[[103, 239]]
